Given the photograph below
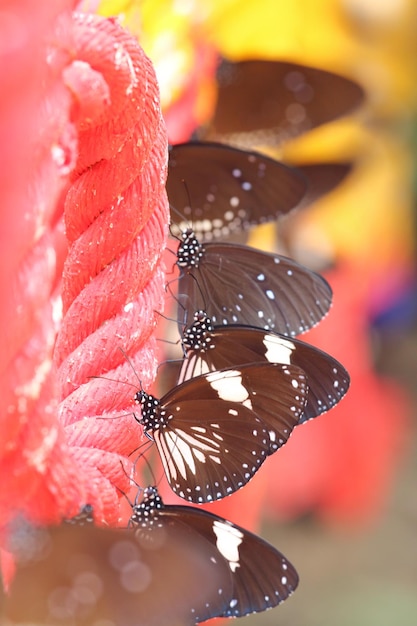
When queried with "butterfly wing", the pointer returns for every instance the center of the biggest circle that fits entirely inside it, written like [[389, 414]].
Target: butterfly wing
[[278, 399], [268, 102], [221, 189], [232, 346], [262, 576], [211, 448], [322, 179], [236, 284], [86, 575], [220, 427]]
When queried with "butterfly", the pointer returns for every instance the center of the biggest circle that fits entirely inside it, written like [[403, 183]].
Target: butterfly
[[215, 431], [264, 102], [237, 284], [223, 189], [85, 516], [209, 348], [174, 566], [322, 178], [261, 576], [89, 575]]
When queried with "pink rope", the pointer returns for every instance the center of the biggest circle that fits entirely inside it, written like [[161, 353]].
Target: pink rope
[[101, 89], [116, 215]]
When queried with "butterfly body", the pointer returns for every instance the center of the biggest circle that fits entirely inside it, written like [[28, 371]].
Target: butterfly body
[[153, 415], [85, 516], [215, 431]]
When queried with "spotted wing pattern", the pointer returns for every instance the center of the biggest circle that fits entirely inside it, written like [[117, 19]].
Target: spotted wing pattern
[[220, 189], [261, 576], [214, 432], [263, 102], [210, 348], [236, 284]]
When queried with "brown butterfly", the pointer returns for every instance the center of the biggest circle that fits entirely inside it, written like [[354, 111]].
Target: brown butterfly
[[268, 102]]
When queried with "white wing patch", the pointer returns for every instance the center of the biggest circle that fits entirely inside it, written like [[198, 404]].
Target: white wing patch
[[229, 387], [278, 350], [228, 541], [194, 366], [175, 453], [179, 450]]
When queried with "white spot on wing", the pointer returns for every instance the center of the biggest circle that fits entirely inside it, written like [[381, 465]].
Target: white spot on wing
[[229, 387], [278, 350], [228, 541]]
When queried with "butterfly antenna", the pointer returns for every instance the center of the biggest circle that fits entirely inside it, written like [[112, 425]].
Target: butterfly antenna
[[153, 481], [142, 445], [114, 417], [115, 380], [150, 479], [178, 213], [175, 297], [173, 251], [174, 230], [177, 228], [183, 218], [132, 368], [130, 480], [171, 361], [141, 456], [168, 319], [201, 292], [124, 382], [140, 490]]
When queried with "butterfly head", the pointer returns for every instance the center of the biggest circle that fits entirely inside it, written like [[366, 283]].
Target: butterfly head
[[145, 513], [153, 416], [190, 250], [197, 336], [85, 516]]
